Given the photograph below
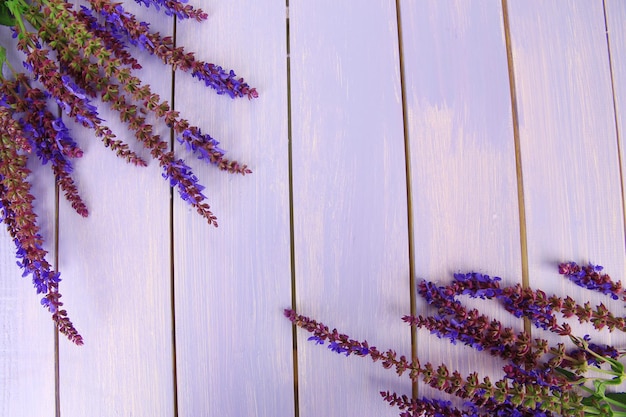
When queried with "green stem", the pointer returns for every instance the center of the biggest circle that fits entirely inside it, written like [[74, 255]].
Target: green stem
[[17, 7]]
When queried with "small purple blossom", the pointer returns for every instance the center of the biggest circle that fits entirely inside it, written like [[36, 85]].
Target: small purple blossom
[[316, 339], [175, 8], [201, 144], [592, 278], [413, 407], [180, 176]]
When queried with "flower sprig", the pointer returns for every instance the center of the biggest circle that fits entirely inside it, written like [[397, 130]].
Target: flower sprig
[[73, 57], [540, 378], [599, 402]]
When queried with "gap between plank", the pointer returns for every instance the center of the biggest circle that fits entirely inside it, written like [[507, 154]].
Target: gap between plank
[[294, 335], [409, 195], [171, 227], [518, 154], [57, 362]]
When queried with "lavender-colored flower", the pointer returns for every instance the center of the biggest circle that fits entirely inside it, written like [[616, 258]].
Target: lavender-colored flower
[[175, 8], [413, 407], [316, 339], [592, 278], [201, 144], [181, 177]]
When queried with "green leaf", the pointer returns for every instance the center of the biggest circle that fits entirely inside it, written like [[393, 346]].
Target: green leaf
[[600, 387], [615, 381], [619, 397], [590, 401], [616, 366], [568, 374], [6, 18], [17, 8], [3, 59]]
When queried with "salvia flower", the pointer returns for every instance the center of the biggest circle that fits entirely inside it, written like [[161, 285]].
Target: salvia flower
[[77, 55], [176, 8], [222, 80], [592, 278], [540, 378], [490, 397]]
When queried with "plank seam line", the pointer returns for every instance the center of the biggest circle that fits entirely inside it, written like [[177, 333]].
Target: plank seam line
[[409, 195], [57, 360], [292, 252], [617, 132], [518, 154], [171, 230]]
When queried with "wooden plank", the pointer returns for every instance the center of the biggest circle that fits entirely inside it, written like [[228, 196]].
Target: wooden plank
[[234, 349], [463, 175], [568, 142], [616, 32], [116, 265], [27, 337], [349, 199]]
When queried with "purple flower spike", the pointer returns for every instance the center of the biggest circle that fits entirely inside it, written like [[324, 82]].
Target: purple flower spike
[[175, 8], [590, 277]]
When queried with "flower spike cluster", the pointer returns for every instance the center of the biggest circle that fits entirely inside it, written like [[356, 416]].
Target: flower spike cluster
[[493, 397], [540, 379], [73, 56]]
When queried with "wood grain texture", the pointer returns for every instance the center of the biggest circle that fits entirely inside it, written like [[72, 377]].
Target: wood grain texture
[[116, 268], [234, 349], [568, 142], [27, 336], [349, 199], [463, 176], [616, 33], [234, 353]]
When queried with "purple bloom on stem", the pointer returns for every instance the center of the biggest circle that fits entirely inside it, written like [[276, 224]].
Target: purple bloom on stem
[[72, 87], [175, 8], [316, 339], [590, 277], [201, 144], [181, 176], [137, 33], [414, 407], [27, 66], [336, 347]]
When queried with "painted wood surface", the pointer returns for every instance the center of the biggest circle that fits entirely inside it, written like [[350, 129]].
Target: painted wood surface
[[27, 364], [116, 265], [616, 33], [572, 186], [376, 126], [27, 339], [462, 157], [234, 352], [349, 198]]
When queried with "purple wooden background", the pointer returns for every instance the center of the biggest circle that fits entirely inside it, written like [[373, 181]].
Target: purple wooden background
[[390, 138]]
